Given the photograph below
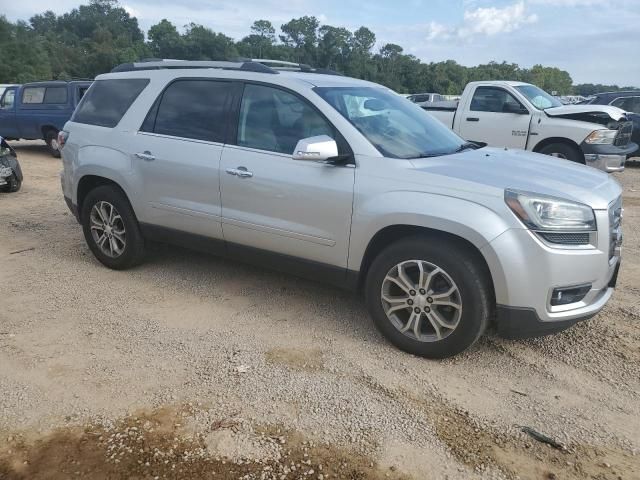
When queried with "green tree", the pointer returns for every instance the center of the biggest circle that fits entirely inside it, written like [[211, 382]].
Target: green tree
[[301, 34], [165, 41]]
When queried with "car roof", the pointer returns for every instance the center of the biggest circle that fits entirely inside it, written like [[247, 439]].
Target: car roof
[[510, 83], [625, 93], [56, 83], [286, 78]]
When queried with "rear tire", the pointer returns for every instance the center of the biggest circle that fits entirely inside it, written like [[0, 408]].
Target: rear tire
[[562, 150], [453, 269], [51, 137], [111, 229]]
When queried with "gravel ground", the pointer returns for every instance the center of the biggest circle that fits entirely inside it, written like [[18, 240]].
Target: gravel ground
[[190, 365]]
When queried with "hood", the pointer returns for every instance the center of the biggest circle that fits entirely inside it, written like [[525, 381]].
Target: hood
[[491, 170], [588, 113]]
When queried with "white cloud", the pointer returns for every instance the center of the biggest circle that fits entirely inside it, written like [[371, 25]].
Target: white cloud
[[484, 21]]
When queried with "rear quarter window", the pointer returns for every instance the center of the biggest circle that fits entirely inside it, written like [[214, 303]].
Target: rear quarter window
[[106, 101]]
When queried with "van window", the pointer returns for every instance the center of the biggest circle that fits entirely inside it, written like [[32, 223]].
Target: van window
[[492, 99], [8, 99], [106, 101], [55, 95], [47, 95], [191, 109], [274, 120]]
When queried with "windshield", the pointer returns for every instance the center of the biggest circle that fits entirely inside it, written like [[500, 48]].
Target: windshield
[[394, 125], [538, 97]]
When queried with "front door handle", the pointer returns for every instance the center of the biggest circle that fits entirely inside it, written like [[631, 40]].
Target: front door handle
[[240, 172], [146, 155], [473, 119]]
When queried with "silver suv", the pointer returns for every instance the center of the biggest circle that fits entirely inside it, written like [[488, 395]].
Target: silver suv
[[344, 181]]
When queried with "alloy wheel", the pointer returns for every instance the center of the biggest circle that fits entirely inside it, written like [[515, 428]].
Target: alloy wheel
[[421, 300], [107, 229]]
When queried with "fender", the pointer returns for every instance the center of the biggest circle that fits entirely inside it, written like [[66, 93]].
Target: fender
[[466, 219], [109, 163]]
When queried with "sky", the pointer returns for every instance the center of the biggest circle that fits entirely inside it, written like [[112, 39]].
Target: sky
[[596, 41]]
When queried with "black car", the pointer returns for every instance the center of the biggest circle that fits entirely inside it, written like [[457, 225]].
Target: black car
[[10, 171], [628, 101]]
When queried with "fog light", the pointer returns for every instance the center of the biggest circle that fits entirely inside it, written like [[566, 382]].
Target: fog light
[[566, 295]]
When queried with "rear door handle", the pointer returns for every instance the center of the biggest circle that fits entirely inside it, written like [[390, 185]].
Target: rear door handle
[[146, 155], [473, 119], [240, 172]]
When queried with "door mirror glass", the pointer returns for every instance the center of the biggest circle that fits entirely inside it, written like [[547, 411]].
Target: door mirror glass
[[316, 149]]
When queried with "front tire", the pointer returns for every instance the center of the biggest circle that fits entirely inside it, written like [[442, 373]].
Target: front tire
[[562, 150], [428, 297], [111, 229]]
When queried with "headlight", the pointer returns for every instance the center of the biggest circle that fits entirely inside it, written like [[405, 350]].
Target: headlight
[[601, 137], [544, 213]]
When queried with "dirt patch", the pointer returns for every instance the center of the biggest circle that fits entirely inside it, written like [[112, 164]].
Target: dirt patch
[[296, 359], [157, 445], [521, 456]]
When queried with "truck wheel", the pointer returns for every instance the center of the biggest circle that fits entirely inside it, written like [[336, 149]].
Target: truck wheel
[[13, 184], [51, 137], [111, 229], [428, 298], [562, 150]]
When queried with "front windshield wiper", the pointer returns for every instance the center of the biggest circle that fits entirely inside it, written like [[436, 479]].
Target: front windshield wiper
[[465, 146]]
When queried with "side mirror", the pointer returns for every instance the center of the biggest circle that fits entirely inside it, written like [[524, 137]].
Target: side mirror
[[514, 108], [316, 149]]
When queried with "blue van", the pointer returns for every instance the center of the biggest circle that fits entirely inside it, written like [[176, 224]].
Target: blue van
[[39, 110]]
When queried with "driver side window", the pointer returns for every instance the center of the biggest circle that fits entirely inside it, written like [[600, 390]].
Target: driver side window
[[8, 99], [274, 120], [493, 99]]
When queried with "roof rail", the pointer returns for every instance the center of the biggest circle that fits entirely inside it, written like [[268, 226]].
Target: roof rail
[[158, 64], [292, 66]]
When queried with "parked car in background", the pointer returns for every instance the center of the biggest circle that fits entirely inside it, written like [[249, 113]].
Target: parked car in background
[[10, 171], [629, 101], [420, 98], [344, 181], [521, 115], [39, 110]]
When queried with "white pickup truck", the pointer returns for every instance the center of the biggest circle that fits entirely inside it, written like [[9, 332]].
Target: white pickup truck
[[521, 115]]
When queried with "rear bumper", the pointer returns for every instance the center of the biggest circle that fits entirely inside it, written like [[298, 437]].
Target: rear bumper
[[607, 158]]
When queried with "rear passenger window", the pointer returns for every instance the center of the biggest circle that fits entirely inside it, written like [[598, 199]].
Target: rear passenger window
[[274, 120], [48, 95], [191, 109], [33, 95], [106, 101]]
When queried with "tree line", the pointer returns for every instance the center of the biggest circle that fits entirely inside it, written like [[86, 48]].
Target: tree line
[[93, 38]]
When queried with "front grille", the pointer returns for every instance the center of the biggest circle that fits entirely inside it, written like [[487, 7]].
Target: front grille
[[566, 238], [624, 134], [615, 227]]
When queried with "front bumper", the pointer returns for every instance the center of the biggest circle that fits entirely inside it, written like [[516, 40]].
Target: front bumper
[[607, 158], [526, 271], [517, 322], [72, 208]]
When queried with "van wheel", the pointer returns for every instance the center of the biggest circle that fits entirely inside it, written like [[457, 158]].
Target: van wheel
[[428, 298], [562, 150], [51, 137], [111, 229]]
